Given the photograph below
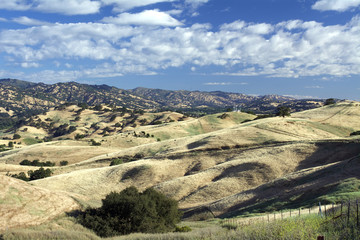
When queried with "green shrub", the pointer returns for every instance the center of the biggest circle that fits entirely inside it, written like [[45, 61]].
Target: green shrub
[[16, 136], [33, 175], [39, 174], [183, 229], [355, 133], [94, 143], [21, 176], [64, 163], [131, 211], [37, 163], [116, 161]]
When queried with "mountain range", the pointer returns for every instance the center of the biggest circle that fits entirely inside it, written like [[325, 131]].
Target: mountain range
[[20, 98]]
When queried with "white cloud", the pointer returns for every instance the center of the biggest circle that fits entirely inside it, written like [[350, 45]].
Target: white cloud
[[68, 7], [147, 17], [123, 5], [314, 87], [301, 96], [14, 5], [224, 83], [196, 3], [335, 5], [239, 48], [29, 21]]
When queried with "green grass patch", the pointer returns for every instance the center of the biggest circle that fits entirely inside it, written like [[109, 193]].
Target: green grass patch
[[348, 189], [336, 130], [30, 141], [195, 129]]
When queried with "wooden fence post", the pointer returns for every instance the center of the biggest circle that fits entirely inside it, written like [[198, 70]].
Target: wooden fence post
[[348, 215], [320, 213], [357, 213], [341, 207]]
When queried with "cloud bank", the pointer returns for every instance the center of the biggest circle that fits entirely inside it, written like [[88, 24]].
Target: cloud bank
[[336, 5], [288, 49]]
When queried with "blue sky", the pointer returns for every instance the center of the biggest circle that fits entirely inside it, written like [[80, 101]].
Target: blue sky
[[300, 48]]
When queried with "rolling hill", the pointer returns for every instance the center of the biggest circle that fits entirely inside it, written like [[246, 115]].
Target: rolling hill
[[220, 165]]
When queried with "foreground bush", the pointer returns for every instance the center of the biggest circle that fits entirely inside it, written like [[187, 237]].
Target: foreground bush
[[131, 211]]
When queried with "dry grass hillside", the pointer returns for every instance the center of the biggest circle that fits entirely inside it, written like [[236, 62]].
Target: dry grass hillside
[[218, 165], [24, 205]]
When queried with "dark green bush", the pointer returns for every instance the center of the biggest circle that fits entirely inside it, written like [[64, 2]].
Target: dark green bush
[[183, 229], [116, 161], [33, 175], [94, 143], [40, 173], [16, 136], [37, 163], [64, 163], [355, 133], [131, 211]]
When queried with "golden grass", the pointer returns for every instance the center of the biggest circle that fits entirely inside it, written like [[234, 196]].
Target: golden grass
[[22, 204], [208, 161]]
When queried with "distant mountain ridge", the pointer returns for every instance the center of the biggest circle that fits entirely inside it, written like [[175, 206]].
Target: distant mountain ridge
[[24, 97]]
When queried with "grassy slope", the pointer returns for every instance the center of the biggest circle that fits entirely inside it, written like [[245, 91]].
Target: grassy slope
[[227, 168]]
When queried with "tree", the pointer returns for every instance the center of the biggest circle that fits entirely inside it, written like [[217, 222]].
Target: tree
[[283, 111], [40, 173], [64, 163], [131, 211], [16, 136], [329, 101]]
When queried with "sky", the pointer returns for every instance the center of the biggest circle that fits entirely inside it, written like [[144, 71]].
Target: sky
[[297, 48]]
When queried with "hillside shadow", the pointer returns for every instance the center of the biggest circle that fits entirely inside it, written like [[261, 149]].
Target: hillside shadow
[[239, 170], [330, 152]]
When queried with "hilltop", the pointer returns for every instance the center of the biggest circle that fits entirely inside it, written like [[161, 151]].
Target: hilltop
[[21, 98]]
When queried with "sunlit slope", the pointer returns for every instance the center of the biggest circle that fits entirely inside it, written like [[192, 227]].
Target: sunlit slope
[[318, 178], [343, 115], [78, 151], [196, 178], [22, 204]]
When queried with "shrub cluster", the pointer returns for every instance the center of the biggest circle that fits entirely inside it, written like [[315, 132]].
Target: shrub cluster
[[131, 211], [37, 163], [33, 175]]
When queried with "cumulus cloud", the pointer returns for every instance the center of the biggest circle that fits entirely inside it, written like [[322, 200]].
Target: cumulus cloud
[[29, 21], [314, 87], [14, 5], [224, 83], [288, 49], [196, 3], [67, 7], [123, 5], [335, 5], [147, 17]]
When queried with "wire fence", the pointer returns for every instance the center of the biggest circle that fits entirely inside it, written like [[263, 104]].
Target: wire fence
[[346, 211]]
